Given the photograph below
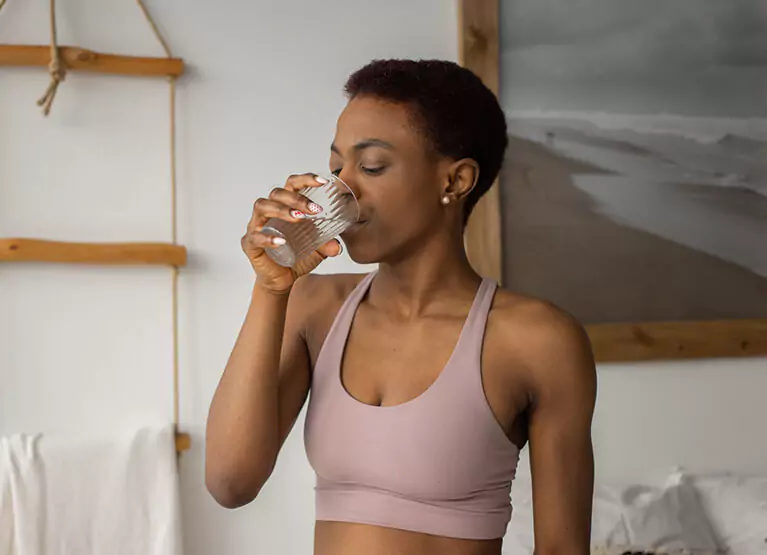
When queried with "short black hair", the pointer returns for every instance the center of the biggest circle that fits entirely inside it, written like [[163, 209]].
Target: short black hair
[[458, 114]]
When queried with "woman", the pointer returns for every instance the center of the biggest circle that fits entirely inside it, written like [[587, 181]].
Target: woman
[[426, 381]]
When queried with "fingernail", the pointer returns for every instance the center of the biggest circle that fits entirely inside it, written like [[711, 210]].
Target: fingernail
[[319, 179], [297, 214], [315, 208], [279, 241], [340, 248]]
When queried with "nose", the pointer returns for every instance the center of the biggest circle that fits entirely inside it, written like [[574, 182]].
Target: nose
[[352, 190], [348, 179]]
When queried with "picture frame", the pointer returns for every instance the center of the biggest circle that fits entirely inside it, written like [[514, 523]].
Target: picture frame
[[479, 50]]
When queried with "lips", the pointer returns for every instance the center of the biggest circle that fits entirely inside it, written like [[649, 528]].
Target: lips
[[355, 227]]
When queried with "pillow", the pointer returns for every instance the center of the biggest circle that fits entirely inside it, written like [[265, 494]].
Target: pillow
[[668, 519], [737, 509]]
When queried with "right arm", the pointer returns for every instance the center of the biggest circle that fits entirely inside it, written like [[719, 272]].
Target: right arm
[[259, 396], [266, 379]]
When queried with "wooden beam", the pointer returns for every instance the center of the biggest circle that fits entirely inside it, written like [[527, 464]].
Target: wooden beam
[[80, 59], [478, 42], [38, 250], [678, 340], [183, 442]]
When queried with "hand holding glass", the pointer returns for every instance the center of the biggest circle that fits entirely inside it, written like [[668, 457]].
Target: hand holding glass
[[340, 210]]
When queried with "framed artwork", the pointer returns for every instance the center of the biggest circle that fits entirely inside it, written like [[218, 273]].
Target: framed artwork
[[634, 193]]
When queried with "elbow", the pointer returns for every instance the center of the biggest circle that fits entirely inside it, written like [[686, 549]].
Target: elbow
[[232, 489], [229, 495]]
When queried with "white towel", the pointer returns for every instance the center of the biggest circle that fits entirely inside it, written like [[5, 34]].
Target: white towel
[[87, 496]]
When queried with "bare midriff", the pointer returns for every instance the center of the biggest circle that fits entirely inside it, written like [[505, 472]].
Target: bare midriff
[[343, 538]]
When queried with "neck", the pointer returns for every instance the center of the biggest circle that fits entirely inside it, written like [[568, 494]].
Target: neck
[[427, 279]]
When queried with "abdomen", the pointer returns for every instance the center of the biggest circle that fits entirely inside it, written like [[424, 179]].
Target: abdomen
[[343, 538]]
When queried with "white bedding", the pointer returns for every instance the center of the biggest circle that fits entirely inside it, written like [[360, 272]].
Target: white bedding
[[736, 506], [701, 514]]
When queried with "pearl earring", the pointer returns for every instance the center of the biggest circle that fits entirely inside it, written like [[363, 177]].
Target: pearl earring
[[446, 200]]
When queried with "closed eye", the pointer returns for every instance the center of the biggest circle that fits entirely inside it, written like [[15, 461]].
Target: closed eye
[[373, 171]]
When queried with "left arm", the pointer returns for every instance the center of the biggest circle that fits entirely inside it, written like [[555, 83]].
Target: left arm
[[561, 454]]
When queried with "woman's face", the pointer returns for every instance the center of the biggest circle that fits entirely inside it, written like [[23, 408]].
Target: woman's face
[[398, 181]]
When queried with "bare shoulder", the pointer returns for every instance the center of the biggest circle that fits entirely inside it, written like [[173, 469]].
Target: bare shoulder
[[315, 300], [320, 289], [536, 320], [549, 343]]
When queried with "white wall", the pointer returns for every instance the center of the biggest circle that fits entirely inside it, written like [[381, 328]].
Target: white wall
[[259, 102]]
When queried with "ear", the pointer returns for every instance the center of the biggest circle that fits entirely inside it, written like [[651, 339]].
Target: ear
[[462, 177]]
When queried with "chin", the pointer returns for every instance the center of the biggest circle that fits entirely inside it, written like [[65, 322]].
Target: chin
[[362, 255], [372, 244], [363, 248]]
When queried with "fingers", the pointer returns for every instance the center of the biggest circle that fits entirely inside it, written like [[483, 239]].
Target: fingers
[[298, 205], [286, 203], [265, 209], [254, 244], [254, 240], [298, 182]]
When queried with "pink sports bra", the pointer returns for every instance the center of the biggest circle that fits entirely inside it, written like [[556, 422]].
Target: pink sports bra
[[439, 464]]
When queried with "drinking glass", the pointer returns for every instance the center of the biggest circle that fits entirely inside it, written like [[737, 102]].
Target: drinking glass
[[339, 211]]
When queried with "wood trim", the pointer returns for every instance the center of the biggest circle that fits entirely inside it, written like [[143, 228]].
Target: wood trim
[[183, 442], [39, 250], [478, 38], [479, 51], [678, 340], [81, 59]]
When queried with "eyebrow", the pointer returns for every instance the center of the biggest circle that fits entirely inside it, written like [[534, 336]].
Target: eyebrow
[[367, 143]]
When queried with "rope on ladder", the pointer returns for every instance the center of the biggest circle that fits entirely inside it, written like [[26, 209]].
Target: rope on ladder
[[174, 225], [56, 68]]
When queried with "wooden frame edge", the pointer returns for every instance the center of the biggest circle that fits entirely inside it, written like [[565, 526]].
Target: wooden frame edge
[[82, 59], [479, 51], [478, 47], [678, 340]]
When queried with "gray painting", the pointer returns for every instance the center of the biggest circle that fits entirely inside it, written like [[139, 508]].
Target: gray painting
[[635, 187]]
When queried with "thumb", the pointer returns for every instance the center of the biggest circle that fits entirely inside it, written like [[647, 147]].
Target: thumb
[[331, 249], [315, 258]]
